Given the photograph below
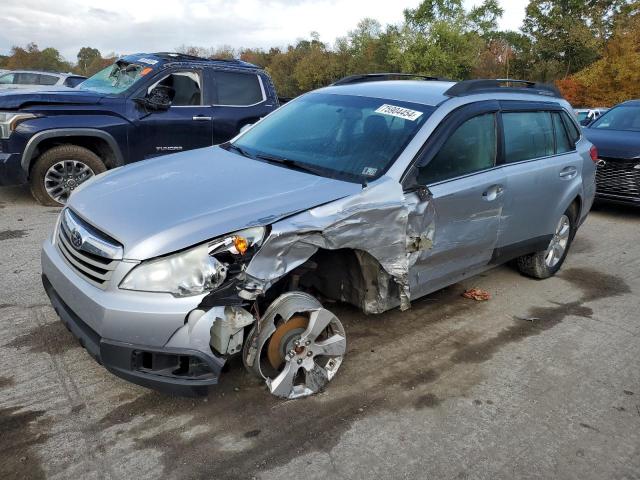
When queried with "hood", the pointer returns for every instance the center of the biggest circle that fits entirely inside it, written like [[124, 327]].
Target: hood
[[159, 206], [614, 143], [18, 98]]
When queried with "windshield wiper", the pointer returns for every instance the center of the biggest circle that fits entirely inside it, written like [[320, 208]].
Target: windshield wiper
[[293, 164], [230, 146]]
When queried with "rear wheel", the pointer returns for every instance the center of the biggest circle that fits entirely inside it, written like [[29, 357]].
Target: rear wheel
[[297, 347], [60, 170], [546, 263]]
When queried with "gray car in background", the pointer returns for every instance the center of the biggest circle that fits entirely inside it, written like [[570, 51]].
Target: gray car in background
[[374, 191], [38, 80]]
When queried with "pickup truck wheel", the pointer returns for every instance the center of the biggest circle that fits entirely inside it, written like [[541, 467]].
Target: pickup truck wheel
[[297, 347], [546, 263], [60, 170]]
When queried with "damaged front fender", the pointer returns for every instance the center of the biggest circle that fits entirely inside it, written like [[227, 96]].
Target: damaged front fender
[[374, 221]]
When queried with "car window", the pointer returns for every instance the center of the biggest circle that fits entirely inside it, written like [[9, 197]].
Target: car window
[[471, 148], [6, 79], [350, 137], [117, 78], [47, 79], [26, 78], [622, 117], [238, 89], [186, 88], [572, 130], [73, 81], [527, 135], [563, 144]]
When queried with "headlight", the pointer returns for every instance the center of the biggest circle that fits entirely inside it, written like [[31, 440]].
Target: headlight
[[9, 121], [197, 270]]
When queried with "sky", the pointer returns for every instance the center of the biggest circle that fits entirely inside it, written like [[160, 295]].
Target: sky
[[128, 26]]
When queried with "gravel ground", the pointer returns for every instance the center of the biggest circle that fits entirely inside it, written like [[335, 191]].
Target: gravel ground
[[542, 381]]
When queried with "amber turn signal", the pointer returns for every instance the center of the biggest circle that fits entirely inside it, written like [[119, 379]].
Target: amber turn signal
[[241, 244]]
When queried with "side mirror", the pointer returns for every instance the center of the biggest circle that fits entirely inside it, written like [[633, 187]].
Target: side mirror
[[246, 127], [159, 98]]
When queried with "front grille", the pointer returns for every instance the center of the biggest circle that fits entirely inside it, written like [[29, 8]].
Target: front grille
[[96, 269], [618, 177]]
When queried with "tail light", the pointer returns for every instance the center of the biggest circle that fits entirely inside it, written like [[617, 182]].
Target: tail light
[[594, 153]]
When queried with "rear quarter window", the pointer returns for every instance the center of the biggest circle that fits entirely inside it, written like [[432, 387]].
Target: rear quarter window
[[238, 89], [48, 80], [527, 135]]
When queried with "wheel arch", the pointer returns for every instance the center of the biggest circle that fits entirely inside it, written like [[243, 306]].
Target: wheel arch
[[98, 141], [346, 275]]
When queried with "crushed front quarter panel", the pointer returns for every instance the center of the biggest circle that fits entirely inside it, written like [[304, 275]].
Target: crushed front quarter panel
[[374, 221]]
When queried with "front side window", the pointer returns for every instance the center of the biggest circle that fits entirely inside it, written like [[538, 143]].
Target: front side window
[[185, 87], [352, 138], [622, 117], [238, 89], [27, 78], [471, 148], [527, 135]]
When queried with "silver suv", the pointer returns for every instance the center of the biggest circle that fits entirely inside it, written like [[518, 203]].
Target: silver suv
[[374, 191]]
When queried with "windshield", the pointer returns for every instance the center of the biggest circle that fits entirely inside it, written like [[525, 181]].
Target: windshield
[[339, 136], [622, 117], [115, 78]]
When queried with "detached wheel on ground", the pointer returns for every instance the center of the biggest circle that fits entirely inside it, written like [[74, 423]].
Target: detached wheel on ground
[[546, 263], [60, 170], [297, 347]]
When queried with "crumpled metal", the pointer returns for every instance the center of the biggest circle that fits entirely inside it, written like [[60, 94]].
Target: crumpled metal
[[374, 221]]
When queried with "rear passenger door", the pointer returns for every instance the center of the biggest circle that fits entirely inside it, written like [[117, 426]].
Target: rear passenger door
[[239, 98], [467, 190], [542, 168]]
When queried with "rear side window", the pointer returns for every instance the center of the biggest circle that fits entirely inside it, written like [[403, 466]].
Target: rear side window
[[7, 79], [48, 80], [563, 144], [471, 148], [574, 133], [73, 81], [527, 135], [238, 89]]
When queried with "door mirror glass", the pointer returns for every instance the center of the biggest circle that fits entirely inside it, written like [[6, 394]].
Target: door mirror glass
[[159, 98]]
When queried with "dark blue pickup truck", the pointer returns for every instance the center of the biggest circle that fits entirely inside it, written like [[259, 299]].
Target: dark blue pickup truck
[[142, 106]]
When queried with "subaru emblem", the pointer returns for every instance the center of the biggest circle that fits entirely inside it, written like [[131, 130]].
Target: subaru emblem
[[76, 239]]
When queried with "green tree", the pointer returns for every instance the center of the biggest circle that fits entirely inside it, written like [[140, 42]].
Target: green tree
[[568, 35], [86, 57]]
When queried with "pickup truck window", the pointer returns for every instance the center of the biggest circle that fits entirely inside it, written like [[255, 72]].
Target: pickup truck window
[[115, 78], [186, 85], [238, 89]]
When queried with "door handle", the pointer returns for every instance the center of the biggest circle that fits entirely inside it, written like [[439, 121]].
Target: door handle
[[568, 172], [492, 192], [201, 118]]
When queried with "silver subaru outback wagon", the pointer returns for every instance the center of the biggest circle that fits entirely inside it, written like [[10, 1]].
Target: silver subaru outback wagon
[[374, 191]]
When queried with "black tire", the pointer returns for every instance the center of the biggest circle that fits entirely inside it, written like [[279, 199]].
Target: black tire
[[54, 156], [534, 264]]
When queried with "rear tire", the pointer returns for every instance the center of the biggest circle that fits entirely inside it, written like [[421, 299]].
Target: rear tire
[[60, 170], [546, 263]]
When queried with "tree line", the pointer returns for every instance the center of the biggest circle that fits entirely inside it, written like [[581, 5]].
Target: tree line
[[590, 49]]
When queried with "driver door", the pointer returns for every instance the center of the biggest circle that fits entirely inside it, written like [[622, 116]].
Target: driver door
[[185, 125]]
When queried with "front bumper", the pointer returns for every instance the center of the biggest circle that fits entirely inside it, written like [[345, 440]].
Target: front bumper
[[622, 199], [11, 172], [147, 339]]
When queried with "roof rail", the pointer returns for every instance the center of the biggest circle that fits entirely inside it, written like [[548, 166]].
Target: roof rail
[[468, 87], [375, 77]]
